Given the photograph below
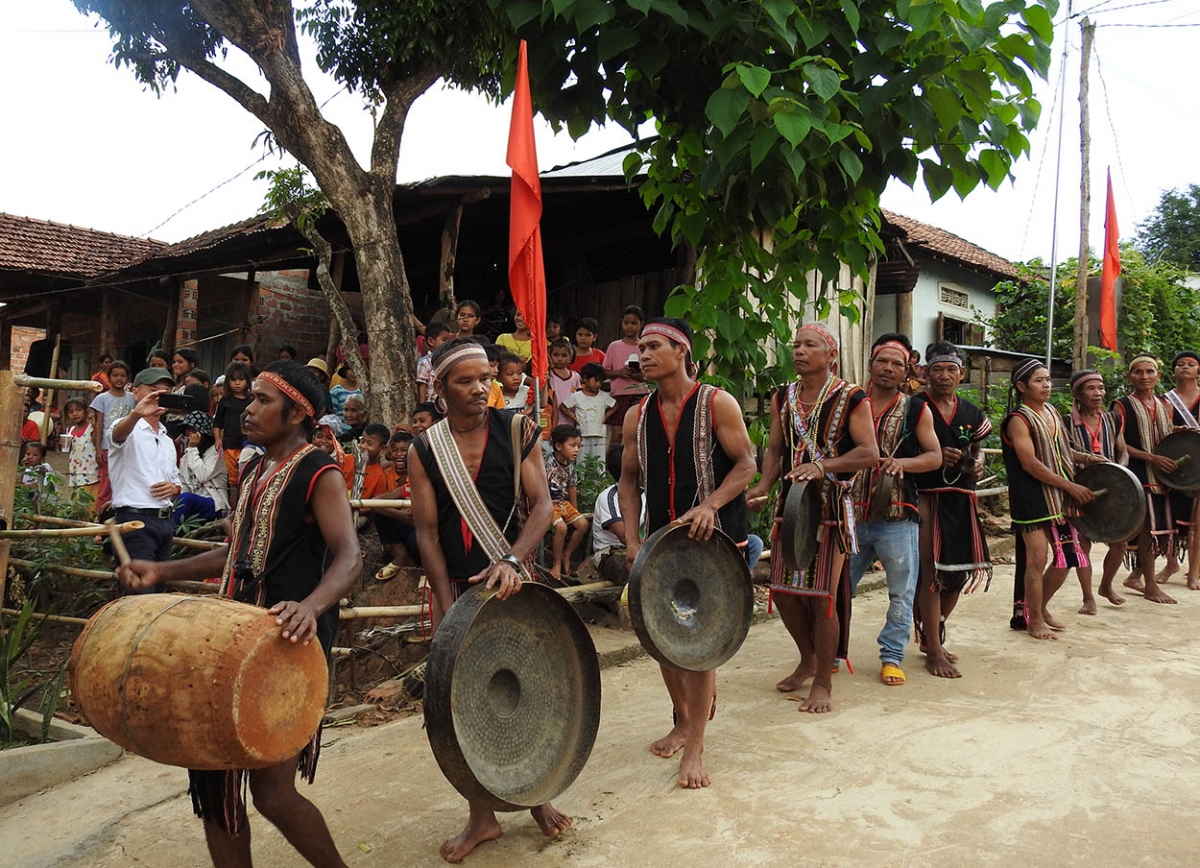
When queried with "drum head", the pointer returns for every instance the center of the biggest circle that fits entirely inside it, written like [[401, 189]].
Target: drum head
[[512, 697], [881, 497], [1119, 513], [691, 601], [801, 521], [1182, 445]]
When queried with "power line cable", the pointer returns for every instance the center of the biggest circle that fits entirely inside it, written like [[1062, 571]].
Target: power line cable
[[1112, 126], [1045, 147]]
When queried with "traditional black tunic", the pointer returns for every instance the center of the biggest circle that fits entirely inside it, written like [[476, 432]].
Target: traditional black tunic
[[1182, 503], [896, 434]]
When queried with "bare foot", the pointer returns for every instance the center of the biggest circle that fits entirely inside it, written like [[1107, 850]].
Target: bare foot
[[1133, 581], [669, 744], [1088, 607], [819, 700], [477, 832], [942, 667], [1167, 571], [1112, 596], [1039, 629], [1155, 594], [556, 570], [550, 820], [692, 775], [1052, 622], [796, 680], [1194, 583]]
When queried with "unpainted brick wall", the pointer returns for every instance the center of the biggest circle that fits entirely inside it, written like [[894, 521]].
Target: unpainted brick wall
[[292, 314], [22, 338]]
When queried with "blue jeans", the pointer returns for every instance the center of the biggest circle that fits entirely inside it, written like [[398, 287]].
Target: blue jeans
[[894, 544], [754, 549]]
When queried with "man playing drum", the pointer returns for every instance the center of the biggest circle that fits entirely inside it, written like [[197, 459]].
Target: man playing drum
[[1096, 431], [1145, 420], [887, 514], [954, 555], [293, 548], [484, 539], [694, 459], [1042, 495], [821, 434]]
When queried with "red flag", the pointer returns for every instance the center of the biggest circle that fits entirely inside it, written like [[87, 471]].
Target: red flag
[[1108, 278], [526, 272]]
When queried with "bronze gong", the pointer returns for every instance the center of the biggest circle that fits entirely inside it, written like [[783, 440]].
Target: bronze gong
[[881, 497], [512, 696], [690, 601], [1184, 448], [1119, 509], [801, 521]]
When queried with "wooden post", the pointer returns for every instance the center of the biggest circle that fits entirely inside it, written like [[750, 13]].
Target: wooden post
[[1082, 329], [10, 449], [904, 313]]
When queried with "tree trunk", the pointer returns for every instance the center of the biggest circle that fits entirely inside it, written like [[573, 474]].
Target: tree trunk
[[341, 310]]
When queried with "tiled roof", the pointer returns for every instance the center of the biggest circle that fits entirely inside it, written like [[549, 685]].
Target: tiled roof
[[948, 245], [56, 248]]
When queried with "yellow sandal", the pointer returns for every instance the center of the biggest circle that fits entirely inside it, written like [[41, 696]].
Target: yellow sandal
[[388, 572], [892, 675]]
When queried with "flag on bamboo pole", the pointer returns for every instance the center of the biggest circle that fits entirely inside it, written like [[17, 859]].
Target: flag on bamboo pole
[[1108, 277], [526, 271]]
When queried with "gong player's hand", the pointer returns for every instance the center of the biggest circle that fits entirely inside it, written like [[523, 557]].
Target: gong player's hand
[[1080, 493], [806, 472], [138, 575], [502, 576], [951, 456], [892, 467], [703, 519], [298, 620], [1163, 463]]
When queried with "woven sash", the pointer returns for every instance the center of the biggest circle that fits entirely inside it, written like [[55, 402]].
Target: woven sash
[[466, 496], [1182, 409]]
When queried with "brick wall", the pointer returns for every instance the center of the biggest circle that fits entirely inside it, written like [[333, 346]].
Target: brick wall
[[294, 315], [22, 337]]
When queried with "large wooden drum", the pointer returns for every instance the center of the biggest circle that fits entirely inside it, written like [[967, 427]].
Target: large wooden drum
[[198, 682]]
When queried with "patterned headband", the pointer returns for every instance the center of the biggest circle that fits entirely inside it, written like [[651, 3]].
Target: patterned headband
[[472, 352], [1084, 379], [944, 357], [891, 345], [1025, 368], [667, 331], [291, 391], [1138, 359], [825, 333]]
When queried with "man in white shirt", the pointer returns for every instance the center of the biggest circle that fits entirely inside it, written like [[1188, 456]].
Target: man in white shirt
[[143, 469], [608, 530]]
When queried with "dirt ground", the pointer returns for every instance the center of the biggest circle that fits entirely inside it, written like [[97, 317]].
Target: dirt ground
[[1083, 750]]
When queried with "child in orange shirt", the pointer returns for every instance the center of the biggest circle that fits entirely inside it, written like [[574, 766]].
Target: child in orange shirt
[[395, 525]]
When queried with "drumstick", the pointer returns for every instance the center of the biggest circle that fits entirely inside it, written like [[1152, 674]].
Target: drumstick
[[1182, 459], [759, 499], [118, 544]]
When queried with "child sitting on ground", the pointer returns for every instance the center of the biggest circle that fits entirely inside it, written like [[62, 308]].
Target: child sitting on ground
[[37, 475], [83, 470], [565, 441], [374, 479], [591, 409], [202, 473], [394, 524]]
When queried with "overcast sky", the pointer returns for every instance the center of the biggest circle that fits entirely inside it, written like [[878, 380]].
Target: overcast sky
[[84, 144]]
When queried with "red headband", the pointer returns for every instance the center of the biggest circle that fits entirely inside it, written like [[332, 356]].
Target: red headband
[[891, 345], [291, 391], [668, 331], [825, 333]]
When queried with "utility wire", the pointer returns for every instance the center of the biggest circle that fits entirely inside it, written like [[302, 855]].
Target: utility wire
[[1113, 130], [1062, 67]]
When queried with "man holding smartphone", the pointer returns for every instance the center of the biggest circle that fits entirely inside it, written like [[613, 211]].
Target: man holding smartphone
[[143, 469]]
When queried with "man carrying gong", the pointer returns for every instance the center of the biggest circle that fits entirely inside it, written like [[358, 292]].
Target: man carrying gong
[[694, 460], [821, 434], [467, 516]]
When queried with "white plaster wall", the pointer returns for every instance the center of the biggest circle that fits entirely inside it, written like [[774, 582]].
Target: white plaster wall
[[927, 304]]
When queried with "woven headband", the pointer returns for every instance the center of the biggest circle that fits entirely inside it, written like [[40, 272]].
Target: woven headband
[[1084, 379], [1137, 360], [944, 357], [667, 331], [1026, 367], [891, 345], [826, 334], [471, 352], [291, 391]]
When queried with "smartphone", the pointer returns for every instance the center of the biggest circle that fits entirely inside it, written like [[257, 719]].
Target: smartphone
[[176, 402]]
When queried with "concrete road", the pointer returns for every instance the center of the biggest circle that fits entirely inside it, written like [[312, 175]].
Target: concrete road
[[1081, 750]]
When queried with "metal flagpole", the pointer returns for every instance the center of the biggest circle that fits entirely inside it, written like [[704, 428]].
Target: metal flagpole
[[1062, 111]]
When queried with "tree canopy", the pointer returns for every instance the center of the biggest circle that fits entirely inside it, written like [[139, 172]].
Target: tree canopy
[[1172, 233]]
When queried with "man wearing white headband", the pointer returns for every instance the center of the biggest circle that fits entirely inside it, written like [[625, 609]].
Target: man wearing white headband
[[694, 459], [465, 511], [821, 434]]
